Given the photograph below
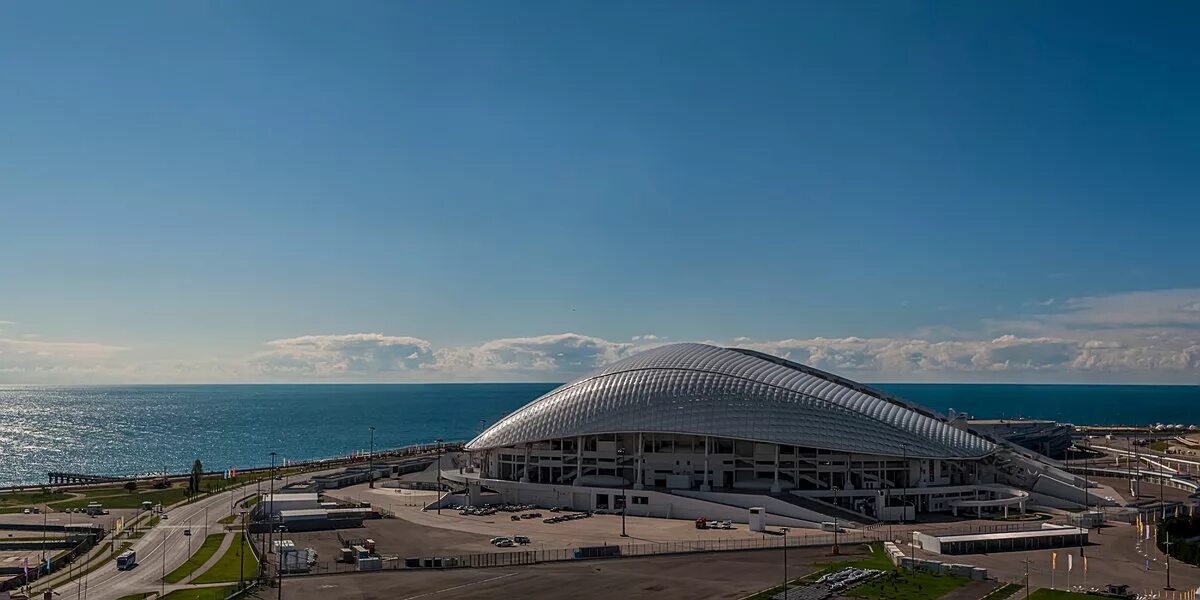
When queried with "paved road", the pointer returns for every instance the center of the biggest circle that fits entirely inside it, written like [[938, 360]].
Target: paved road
[[162, 549]]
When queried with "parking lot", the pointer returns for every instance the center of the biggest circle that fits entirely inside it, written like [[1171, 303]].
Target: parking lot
[[723, 575], [453, 533]]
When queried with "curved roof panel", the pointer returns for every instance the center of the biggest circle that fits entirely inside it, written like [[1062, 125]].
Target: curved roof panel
[[706, 390]]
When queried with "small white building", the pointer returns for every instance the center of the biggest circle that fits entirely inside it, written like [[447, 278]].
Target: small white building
[[274, 504]]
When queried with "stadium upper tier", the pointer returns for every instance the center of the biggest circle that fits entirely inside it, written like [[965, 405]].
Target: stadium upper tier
[[733, 393]]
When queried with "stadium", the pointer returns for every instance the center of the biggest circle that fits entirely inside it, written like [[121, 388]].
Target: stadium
[[687, 430]]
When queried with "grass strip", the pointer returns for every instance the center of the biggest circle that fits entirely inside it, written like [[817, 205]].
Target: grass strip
[[204, 593], [230, 566], [1045, 594], [210, 546]]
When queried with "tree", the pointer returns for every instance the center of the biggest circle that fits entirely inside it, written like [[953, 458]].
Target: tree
[[131, 486], [197, 473]]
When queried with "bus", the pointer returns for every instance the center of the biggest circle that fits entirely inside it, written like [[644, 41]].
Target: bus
[[126, 560]]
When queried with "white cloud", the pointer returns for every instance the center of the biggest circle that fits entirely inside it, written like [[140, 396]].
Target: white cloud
[[1141, 336], [1145, 309], [1011, 354], [29, 360], [356, 354], [546, 356]]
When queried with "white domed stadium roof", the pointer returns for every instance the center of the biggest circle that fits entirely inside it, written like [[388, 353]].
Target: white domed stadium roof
[[733, 393]]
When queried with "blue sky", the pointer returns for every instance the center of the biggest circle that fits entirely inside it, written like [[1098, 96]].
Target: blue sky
[[425, 191]]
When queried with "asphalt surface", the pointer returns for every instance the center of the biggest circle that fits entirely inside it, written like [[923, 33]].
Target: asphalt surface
[[161, 549], [723, 575]]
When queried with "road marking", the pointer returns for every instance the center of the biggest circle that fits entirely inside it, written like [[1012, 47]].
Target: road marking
[[459, 587]]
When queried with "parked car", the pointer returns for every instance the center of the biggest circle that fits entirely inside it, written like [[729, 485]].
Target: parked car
[[504, 543], [521, 539], [27, 511]]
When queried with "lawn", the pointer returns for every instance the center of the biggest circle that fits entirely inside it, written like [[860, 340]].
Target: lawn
[[123, 499], [27, 498], [1045, 594], [895, 585], [874, 559], [141, 596], [228, 567], [205, 593], [100, 491], [201, 556], [227, 520], [908, 585]]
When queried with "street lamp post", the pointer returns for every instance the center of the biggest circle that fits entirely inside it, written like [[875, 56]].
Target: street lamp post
[[242, 563], [624, 487], [1162, 499], [904, 490], [785, 577], [371, 461], [1086, 464], [835, 519], [271, 508], [439, 477], [1167, 553]]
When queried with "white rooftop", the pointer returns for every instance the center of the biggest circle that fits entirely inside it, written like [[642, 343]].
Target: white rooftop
[[1010, 535]]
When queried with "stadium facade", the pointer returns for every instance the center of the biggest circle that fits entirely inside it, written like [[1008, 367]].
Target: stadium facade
[[686, 429]]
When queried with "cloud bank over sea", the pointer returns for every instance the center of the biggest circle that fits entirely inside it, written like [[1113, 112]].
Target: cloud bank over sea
[[1136, 337]]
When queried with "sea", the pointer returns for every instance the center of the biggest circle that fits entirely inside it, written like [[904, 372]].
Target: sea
[[132, 430]]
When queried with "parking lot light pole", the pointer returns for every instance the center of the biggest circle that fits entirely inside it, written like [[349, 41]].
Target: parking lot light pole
[[271, 508], [835, 519], [785, 577], [439, 477], [624, 487], [371, 461], [241, 563]]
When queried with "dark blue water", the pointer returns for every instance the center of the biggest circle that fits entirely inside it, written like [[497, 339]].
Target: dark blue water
[[141, 429]]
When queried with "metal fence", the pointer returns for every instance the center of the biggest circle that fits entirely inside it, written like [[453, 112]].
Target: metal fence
[[529, 555], [534, 554]]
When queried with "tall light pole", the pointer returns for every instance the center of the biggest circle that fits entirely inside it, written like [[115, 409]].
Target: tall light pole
[[1086, 463], [439, 477], [835, 519], [1162, 499], [371, 461], [1167, 553], [241, 563], [904, 490], [785, 577], [624, 486], [271, 508]]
